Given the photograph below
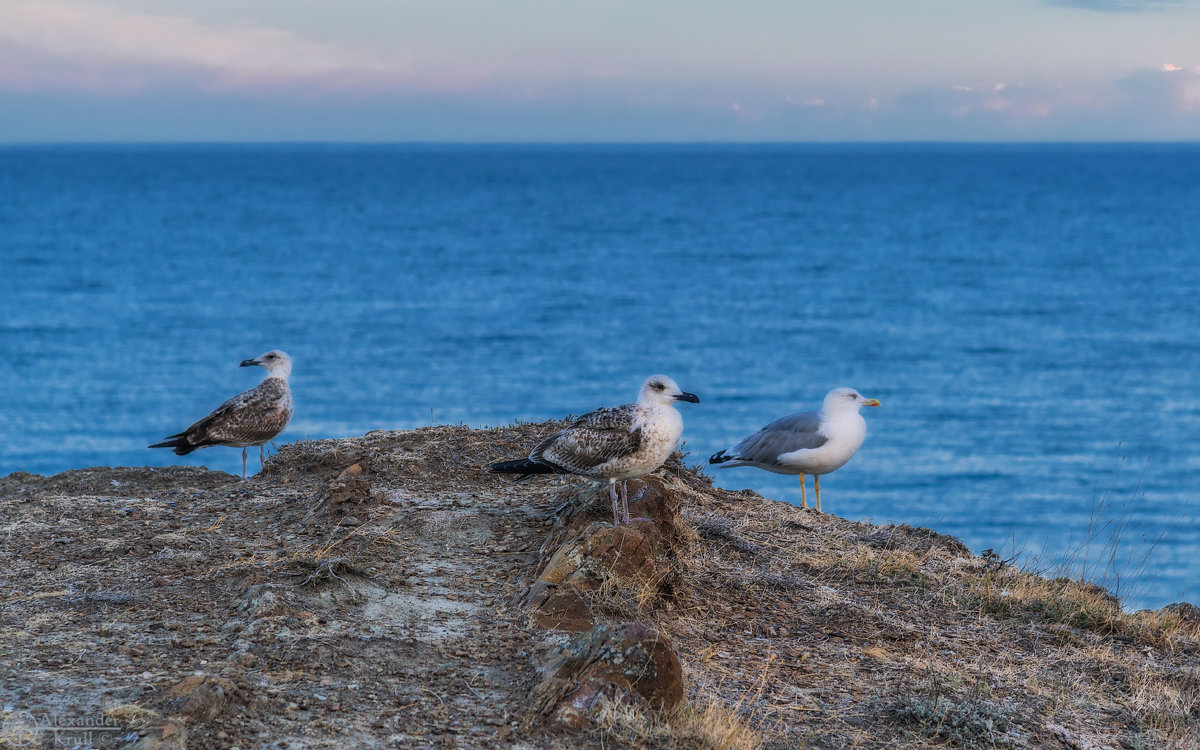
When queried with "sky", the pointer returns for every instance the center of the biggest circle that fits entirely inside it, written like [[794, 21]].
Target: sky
[[613, 71]]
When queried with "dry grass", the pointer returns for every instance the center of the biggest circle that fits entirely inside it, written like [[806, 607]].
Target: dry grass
[[839, 634], [1167, 705], [795, 629], [689, 726], [628, 598], [1010, 593], [17, 731], [132, 715]]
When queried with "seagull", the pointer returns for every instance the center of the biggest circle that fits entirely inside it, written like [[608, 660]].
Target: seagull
[[250, 418], [812, 442], [616, 443]]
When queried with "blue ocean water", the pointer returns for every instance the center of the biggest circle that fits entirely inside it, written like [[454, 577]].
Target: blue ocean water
[[1028, 315]]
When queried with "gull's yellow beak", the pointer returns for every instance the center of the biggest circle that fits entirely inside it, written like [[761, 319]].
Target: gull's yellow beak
[[871, 402]]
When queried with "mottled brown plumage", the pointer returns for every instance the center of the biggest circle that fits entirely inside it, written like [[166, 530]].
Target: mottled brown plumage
[[594, 441], [614, 443], [250, 418]]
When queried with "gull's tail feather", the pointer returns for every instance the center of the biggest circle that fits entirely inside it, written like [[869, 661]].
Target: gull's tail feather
[[721, 457], [179, 443], [522, 466]]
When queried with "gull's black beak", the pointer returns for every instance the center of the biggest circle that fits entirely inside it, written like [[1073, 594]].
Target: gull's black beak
[[249, 362], [685, 396]]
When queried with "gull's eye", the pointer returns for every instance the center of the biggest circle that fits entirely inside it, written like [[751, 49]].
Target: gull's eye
[[658, 386], [270, 356]]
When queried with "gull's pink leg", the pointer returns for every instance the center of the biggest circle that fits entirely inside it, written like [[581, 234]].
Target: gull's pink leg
[[243, 463], [612, 493], [262, 461]]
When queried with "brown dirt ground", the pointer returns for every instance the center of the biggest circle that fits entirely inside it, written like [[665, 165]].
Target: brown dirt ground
[[380, 610]]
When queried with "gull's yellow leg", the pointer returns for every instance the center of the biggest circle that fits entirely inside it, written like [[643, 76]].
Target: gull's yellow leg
[[803, 497], [817, 484]]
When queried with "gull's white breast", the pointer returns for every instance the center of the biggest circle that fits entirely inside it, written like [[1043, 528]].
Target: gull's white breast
[[845, 434], [661, 426]]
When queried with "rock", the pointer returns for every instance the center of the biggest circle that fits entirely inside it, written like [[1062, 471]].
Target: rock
[[648, 498], [557, 608], [631, 662], [167, 734], [1073, 740], [198, 698], [1188, 613], [343, 495], [602, 552]]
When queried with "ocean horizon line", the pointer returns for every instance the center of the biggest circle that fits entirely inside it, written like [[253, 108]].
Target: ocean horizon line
[[550, 145]]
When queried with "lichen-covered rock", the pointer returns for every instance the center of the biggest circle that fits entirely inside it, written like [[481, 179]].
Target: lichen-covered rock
[[631, 662], [343, 495], [1188, 613], [198, 698], [167, 734], [591, 553], [650, 498], [557, 608], [602, 552]]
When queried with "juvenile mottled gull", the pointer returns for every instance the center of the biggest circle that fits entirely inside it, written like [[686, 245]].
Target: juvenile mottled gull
[[616, 443], [813, 442], [250, 418]]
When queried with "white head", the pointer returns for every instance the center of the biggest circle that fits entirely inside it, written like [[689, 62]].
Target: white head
[[846, 399], [661, 390], [276, 363]]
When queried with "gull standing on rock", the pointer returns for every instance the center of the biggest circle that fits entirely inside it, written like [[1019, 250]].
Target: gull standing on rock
[[616, 443], [251, 418], [812, 442]]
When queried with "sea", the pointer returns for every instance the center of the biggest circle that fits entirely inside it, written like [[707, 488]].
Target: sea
[[1029, 315]]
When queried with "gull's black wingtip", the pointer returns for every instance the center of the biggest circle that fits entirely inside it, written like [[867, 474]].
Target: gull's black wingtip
[[178, 443], [523, 466]]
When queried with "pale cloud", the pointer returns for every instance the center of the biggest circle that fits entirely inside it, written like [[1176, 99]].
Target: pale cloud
[[102, 49], [267, 77], [745, 112], [812, 101], [1017, 102], [1168, 94], [1152, 103]]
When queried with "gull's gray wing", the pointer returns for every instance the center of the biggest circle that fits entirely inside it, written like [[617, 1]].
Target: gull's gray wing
[[792, 433], [592, 440]]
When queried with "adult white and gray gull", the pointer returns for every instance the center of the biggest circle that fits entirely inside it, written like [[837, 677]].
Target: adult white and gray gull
[[251, 418], [616, 443], [812, 442]]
